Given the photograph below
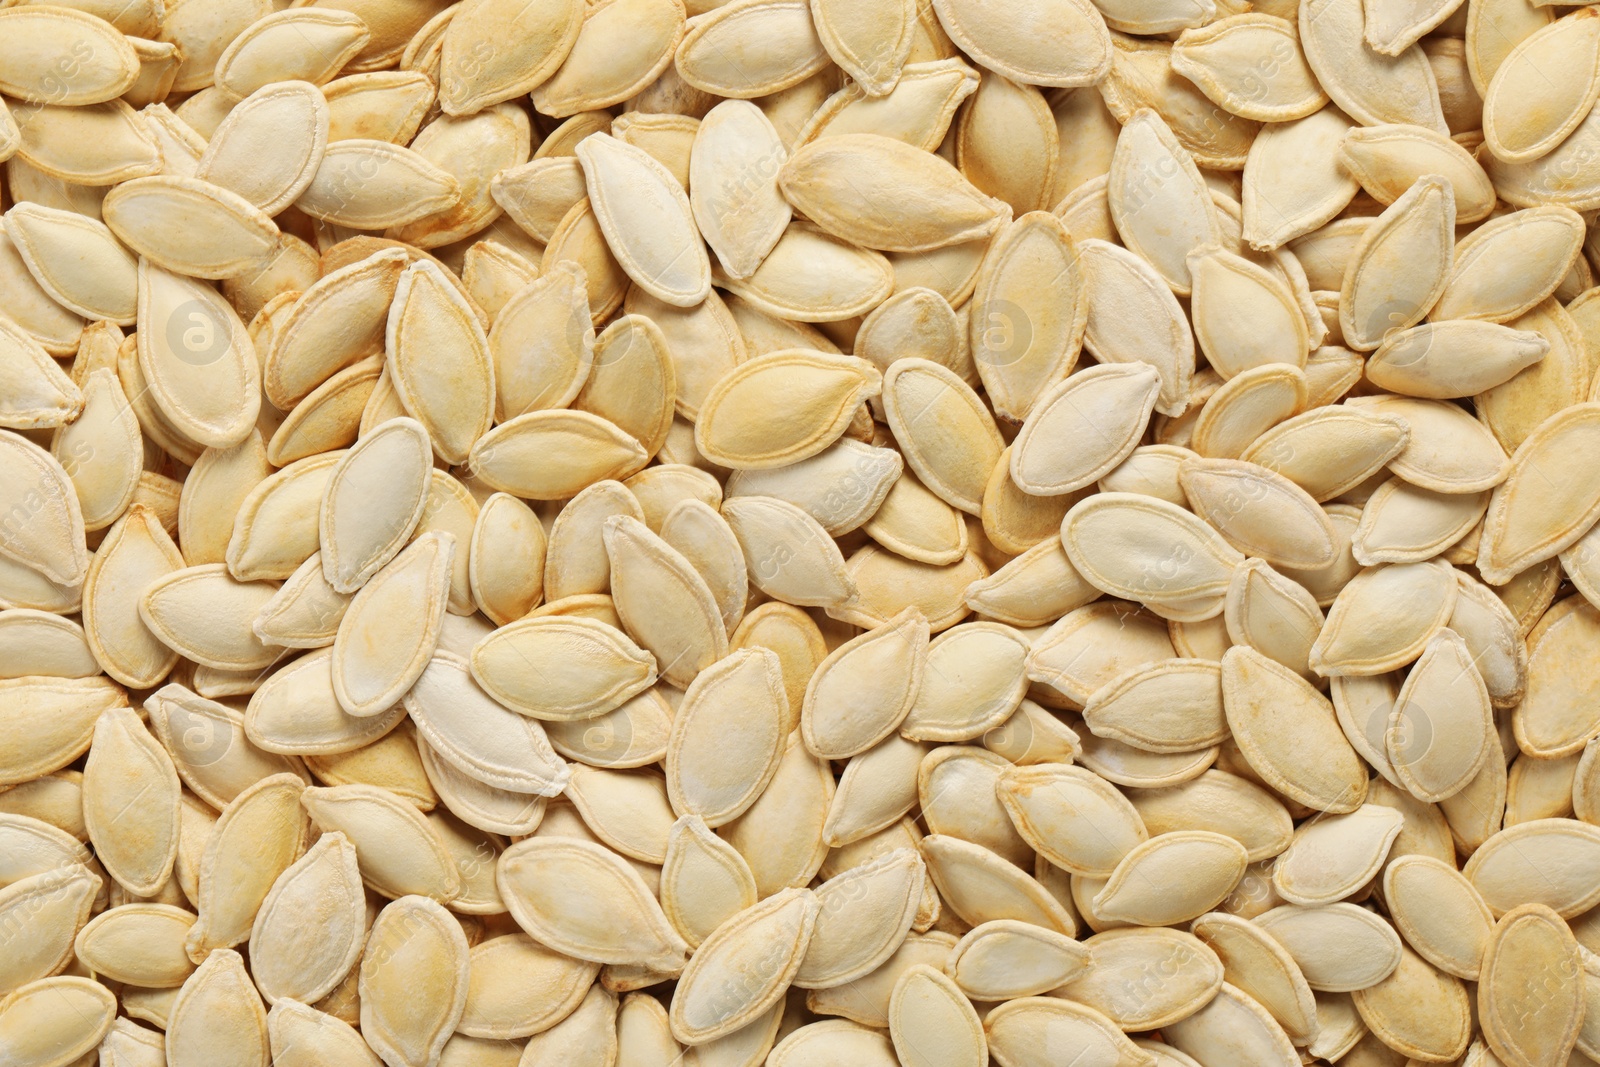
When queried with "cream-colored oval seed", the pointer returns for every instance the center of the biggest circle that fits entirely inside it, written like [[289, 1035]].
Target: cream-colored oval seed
[[332, 324], [1482, 356], [972, 682], [1331, 859], [106, 447], [1414, 599], [1145, 889], [1233, 1023], [517, 987], [835, 182], [392, 626], [1542, 90], [744, 966], [1006, 959], [1026, 1031], [834, 1041], [877, 789], [741, 223], [303, 1036], [787, 553], [1122, 543], [1440, 913], [1224, 284], [296, 960], [259, 835], [67, 57], [204, 614], [205, 378], [584, 900], [1124, 963], [209, 746], [812, 276], [1074, 818], [1258, 965], [1158, 200], [738, 701], [218, 1015], [1531, 997], [414, 944], [1386, 160], [399, 851], [704, 881], [590, 667], [947, 435], [980, 886], [1272, 614], [1373, 87], [1246, 407], [296, 712], [373, 501], [1172, 706], [438, 359], [141, 944], [1520, 865], [1447, 450], [56, 904], [190, 226], [1390, 1008], [782, 408], [130, 802], [1093, 645], [1398, 269], [931, 1022], [1529, 517], [552, 455], [1215, 55], [134, 555], [865, 688], [662, 600], [1029, 312], [290, 116], [1077, 53], [1224, 803], [1339, 947], [506, 559], [466, 728], [51, 541], [1403, 524], [1284, 198], [367, 184], [77, 260], [1326, 774], [1261, 513], [1543, 241], [1083, 427], [56, 1020], [1440, 730], [863, 915]]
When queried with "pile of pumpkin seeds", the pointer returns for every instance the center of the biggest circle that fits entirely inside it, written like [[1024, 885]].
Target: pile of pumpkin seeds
[[888, 533]]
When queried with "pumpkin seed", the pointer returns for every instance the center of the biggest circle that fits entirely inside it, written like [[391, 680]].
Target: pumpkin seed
[[414, 944]]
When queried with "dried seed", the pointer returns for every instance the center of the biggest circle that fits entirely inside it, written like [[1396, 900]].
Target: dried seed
[[939, 207], [56, 1020], [552, 887], [292, 961], [414, 944], [1083, 427], [1027, 1030], [1006, 45], [371, 668], [399, 850]]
